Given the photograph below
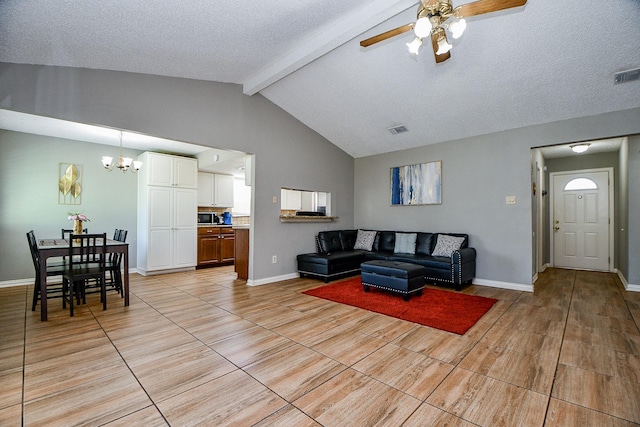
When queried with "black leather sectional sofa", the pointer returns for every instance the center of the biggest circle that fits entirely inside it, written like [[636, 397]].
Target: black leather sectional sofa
[[340, 253]]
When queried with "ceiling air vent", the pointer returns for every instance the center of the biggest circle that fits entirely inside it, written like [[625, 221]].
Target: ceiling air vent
[[398, 129], [626, 76]]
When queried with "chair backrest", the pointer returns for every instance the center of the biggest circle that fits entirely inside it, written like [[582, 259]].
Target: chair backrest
[[120, 235], [116, 257], [35, 254], [87, 248], [66, 232]]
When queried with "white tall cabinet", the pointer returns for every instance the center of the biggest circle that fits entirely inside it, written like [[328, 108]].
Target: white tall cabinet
[[167, 213]]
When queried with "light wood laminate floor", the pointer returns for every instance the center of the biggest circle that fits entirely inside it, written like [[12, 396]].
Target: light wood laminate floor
[[201, 348]]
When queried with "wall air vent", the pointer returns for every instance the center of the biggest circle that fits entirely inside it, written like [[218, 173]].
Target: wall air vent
[[626, 76], [398, 129]]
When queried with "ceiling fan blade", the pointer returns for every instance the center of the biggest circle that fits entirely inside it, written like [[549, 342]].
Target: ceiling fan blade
[[387, 35], [434, 43], [486, 6]]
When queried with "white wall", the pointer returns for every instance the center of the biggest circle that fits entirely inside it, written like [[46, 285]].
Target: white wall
[[29, 167], [477, 174], [633, 224], [241, 197], [287, 153], [476, 178]]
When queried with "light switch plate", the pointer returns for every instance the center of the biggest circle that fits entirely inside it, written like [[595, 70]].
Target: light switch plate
[[511, 200], [275, 199]]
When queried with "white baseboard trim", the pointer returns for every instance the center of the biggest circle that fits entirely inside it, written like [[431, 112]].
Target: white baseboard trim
[[26, 282], [268, 280], [31, 281], [157, 272], [628, 286], [18, 282], [503, 285]]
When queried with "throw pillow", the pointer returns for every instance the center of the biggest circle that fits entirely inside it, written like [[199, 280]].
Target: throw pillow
[[364, 240], [405, 243], [446, 245]]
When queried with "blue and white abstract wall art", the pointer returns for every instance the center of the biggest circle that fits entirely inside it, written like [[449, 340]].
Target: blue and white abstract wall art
[[417, 184]]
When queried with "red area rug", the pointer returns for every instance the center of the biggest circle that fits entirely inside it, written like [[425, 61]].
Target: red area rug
[[444, 310]]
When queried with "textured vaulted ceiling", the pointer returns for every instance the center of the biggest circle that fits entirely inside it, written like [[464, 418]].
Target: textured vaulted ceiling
[[547, 61]]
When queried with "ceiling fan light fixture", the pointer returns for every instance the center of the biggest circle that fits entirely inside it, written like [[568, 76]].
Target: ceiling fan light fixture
[[443, 46], [580, 148], [457, 28], [414, 46], [422, 27]]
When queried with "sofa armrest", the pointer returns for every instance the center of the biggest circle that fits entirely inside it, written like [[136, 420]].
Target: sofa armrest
[[462, 256], [463, 266]]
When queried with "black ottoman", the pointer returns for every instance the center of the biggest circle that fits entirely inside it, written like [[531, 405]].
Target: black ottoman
[[402, 277]]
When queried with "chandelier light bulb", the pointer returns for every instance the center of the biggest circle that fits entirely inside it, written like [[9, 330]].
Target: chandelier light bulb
[[414, 46], [457, 28], [422, 28]]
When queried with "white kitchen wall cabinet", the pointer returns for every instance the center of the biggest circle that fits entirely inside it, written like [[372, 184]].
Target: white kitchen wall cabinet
[[167, 220], [170, 171], [215, 190], [290, 199]]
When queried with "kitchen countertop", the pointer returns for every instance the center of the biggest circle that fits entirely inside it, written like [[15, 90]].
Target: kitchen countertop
[[215, 225]]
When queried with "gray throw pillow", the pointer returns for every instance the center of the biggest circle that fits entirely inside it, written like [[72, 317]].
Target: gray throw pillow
[[405, 243], [364, 240], [447, 245]]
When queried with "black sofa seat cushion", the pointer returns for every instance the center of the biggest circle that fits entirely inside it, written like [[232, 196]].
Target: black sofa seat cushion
[[331, 257], [423, 260], [329, 265]]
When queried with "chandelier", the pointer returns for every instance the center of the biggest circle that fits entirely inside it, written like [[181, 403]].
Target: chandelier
[[124, 164]]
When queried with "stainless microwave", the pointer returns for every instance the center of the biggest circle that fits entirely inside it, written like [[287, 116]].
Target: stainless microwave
[[208, 218]]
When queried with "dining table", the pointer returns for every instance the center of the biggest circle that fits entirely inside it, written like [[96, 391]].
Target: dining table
[[50, 248]]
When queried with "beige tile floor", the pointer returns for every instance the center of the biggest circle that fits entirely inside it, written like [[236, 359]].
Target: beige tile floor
[[201, 348]]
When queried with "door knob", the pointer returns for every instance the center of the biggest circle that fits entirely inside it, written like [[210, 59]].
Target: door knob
[[556, 228]]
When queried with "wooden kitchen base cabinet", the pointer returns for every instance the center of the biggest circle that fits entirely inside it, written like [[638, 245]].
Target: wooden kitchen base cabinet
[[215, 246], [242, 253], [227, 243]]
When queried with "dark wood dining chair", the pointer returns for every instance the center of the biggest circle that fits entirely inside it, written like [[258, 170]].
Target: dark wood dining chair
[[53, 269], [114, 263], [66, 232], [86, 261]]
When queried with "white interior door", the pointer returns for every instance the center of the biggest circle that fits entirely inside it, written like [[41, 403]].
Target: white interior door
[[581, 221]]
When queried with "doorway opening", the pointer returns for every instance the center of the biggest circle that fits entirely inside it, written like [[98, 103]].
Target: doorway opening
[[581, 212]]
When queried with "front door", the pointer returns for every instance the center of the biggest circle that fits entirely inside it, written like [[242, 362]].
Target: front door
[[581, 220]]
